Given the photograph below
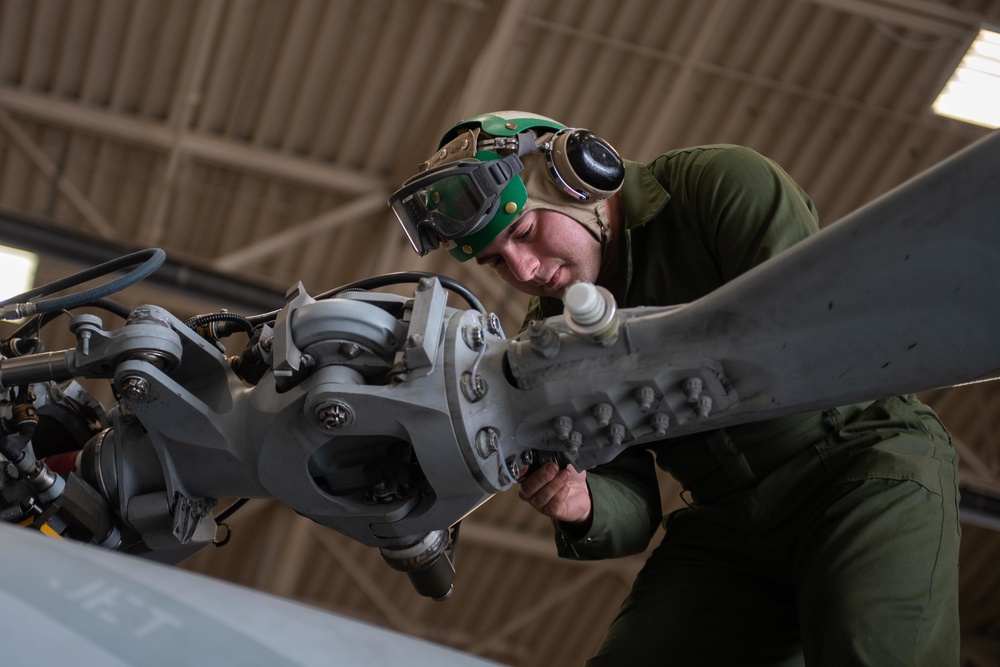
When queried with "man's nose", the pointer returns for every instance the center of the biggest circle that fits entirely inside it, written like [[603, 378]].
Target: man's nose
[[523, 266]]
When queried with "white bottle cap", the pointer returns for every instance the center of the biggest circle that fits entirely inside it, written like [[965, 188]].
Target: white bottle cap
[[584, 303]]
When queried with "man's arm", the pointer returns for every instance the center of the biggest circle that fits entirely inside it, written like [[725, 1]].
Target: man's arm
[[611, 513]]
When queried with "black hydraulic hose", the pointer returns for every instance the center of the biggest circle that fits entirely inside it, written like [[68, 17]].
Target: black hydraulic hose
[[398, 278], [145, 261], [239, 323], [113, 307], [35, 324], [409, 277]]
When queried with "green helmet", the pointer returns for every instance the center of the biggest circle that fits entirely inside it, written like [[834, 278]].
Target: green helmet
[[475, 186], [504, 124]]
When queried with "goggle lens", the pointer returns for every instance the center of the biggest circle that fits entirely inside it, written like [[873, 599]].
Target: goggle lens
[[451, 201]]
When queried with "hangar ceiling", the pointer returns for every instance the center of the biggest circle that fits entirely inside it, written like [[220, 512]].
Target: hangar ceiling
[[256, 141]]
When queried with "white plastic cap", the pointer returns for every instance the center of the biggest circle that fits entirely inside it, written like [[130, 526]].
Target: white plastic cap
[[584, 303]]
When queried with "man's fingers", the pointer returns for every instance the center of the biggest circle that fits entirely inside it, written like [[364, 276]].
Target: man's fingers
[[538, 479]]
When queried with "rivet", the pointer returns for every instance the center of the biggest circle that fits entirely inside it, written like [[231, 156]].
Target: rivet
[[467, 249], [510, 126], [436, 197], [510, 207], [465, 144]]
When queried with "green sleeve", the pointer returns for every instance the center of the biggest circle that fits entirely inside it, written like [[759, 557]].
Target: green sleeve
[[626, 510]]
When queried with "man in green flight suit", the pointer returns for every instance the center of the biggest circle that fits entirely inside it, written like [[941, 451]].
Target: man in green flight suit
[[826, 538]]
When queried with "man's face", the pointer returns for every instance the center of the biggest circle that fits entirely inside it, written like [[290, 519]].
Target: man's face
[[543, 253]]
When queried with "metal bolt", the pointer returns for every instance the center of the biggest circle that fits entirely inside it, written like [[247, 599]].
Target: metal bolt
[[333, 415], [487, 442], [135, 388], [350, 350], [616, 433], [415, 340], [660, 422], [544, 340], [493, 325], [474, 337], [602, 413], [563, 425], [704, 406], [473, 386], [573, 442], [644, 397], [692, 387], [517, 464], [84, 342], [83, 327], [381, 492]]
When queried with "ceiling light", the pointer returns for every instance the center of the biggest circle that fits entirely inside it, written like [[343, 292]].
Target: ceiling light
[[973, 92], [17, 271]]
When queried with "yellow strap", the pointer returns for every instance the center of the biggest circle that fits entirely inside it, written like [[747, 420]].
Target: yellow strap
[[45, 529]]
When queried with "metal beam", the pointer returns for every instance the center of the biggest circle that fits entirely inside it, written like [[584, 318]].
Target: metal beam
[[667, 112], [535, 614], [48, 240], [933, 18], [157, 136], [768, 83], [276, 243], [48, 168], [182, 111], [395, 616], [492, 59]]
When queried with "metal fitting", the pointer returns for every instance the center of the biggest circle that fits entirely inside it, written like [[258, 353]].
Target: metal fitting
[[493, 325], [692, 387], [602, 413], [135, 388], [590, 311], [487, 442], [644, 397], [660, 422], [332, 415], [563, 425], [543, 339], [704, 406], [517, 464], [473, 386], [474, 337], [616, 433], [574, 442], [350, 350]]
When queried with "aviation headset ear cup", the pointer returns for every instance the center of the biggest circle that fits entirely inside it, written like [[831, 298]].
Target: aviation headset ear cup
[[586, 163]]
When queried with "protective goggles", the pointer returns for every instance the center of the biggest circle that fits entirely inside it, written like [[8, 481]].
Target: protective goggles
[[453, 200]]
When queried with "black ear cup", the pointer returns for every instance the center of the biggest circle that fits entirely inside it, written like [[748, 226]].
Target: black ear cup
[[584, 165]]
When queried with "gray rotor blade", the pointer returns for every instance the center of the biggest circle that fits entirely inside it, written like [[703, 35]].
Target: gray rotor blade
[[899, 296]]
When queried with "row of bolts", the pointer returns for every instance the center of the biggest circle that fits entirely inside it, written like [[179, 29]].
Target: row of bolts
[[644, 396]]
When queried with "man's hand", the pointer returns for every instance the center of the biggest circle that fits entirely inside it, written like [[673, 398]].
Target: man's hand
[[560, 494]]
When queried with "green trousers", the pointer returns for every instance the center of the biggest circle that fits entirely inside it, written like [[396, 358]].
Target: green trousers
[[846, 554]]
